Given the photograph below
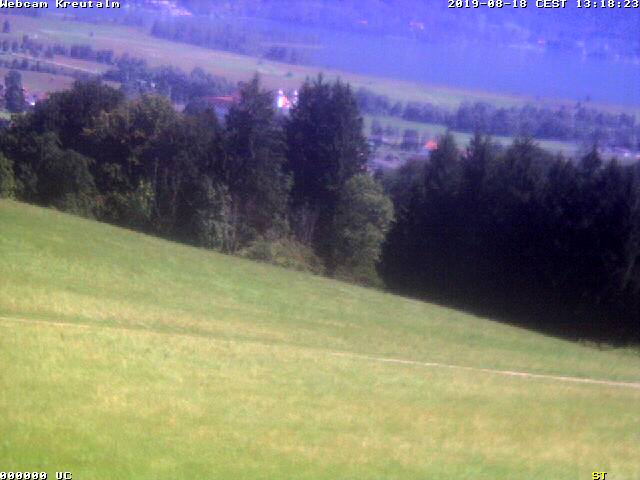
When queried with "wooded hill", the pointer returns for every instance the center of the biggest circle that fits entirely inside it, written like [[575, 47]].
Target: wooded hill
[[533, 238]]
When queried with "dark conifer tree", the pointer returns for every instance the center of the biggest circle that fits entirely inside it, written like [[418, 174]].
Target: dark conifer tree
[[254, 166], [326, 147], [14, 94]]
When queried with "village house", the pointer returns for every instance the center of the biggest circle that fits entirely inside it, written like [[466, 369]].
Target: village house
[[285, 102]]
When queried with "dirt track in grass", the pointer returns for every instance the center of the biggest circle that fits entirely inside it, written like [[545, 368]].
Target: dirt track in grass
[[358, 356]]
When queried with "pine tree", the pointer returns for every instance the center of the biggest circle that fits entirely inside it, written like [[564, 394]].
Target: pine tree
[[258, 185], [327, 147], [14, 95]]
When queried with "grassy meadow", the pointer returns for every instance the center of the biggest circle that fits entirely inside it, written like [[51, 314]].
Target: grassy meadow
[[126, 356]]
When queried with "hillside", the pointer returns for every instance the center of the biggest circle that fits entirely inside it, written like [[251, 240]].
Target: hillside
[[125, 356]]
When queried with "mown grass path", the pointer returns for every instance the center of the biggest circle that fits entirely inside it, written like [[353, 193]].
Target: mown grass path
[[399, 361]]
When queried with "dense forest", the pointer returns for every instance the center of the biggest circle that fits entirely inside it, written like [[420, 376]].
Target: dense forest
[[237, 187], [526, 236], [554, 243]]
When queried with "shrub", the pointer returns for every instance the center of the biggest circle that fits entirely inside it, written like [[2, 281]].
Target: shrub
[[211, 223], [131, 209], [284, 253], [362, 220]]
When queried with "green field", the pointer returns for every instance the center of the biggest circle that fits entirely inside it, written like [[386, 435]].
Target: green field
[[236, 67], [41, 82], [84, 66], [433, 130], [125, 356]]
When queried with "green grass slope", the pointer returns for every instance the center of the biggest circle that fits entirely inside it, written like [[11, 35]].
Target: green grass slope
[[125, 356]]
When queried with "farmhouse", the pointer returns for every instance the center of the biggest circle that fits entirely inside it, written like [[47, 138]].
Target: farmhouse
[[431, 145], [284, 103]]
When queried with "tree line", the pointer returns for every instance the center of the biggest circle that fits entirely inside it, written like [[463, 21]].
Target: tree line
[[230, 37], [292, 190], [137, 78], [520, 234], [37, 49], [516, 233], [567, 123]]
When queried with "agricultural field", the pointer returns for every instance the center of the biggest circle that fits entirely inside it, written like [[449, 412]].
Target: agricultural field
[[41, 82], [84, 66], [239, 67], [126, 356], [433, 131]]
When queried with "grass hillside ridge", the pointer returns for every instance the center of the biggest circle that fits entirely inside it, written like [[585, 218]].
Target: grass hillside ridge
[[129, 356]]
